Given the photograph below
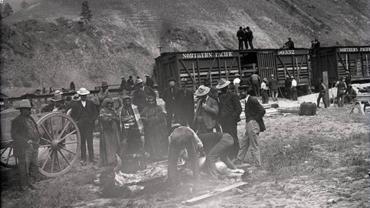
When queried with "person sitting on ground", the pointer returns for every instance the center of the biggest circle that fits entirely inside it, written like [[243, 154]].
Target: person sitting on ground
[[26, 137], [182, 138], [206, 112], [289, 44]]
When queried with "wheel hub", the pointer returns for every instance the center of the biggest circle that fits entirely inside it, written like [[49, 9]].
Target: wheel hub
[[54, 143]]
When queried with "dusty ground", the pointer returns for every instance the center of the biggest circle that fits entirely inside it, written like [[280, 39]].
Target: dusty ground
[[318, 161]]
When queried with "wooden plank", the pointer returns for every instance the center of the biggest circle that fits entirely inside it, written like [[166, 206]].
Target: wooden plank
[[214, 193], [187, 71]]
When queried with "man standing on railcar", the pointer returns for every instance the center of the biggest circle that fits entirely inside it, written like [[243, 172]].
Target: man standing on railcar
[[240, 35]]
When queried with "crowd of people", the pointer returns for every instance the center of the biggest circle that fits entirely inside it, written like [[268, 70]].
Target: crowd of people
[[266, 87], [133, 125]]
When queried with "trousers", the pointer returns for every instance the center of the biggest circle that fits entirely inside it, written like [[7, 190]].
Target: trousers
[[322, 95], [27, 165], [87, 138], [250, 141]]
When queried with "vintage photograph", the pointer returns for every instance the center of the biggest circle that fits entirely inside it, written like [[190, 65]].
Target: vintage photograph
[[185, 103]]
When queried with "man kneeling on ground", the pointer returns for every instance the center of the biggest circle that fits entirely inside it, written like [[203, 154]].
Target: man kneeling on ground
[[216, 146]]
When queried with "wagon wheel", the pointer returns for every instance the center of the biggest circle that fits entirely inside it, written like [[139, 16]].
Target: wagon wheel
[[59, 145], [8, 159]]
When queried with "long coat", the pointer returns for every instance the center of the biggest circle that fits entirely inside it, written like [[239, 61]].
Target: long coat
[[23, 129], [206, 116], [155, 131], [84, 115]]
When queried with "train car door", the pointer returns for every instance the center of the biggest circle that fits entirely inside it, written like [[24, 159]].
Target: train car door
[[266, 63]]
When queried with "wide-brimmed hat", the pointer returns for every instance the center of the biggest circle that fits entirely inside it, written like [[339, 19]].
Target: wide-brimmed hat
[[83, 91], [172, 79], [124, 97], [222, 83], [265, 79], [58, 96], [202, 90], [76, 97], [25, 103]]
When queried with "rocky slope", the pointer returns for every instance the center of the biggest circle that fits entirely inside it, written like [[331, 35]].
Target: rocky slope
[[45, 45]]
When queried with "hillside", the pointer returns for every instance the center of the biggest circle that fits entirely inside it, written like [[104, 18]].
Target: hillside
[[45, 44]]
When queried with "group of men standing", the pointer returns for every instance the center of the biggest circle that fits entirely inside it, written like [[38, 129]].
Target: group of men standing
[[134, 124], [245, 38], [214, 125]]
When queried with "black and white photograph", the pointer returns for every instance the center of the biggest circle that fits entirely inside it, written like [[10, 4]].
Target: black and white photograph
[[185, 103]]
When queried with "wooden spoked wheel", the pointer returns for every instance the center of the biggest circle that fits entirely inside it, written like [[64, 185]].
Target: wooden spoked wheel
[[8, 158], [59, 145]]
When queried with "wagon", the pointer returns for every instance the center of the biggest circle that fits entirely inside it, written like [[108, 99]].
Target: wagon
[[59, 145]]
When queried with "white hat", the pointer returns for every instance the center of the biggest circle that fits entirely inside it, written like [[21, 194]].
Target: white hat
[[222, 83], [202, 90], [138, 81], [83, 91], [25, 103]]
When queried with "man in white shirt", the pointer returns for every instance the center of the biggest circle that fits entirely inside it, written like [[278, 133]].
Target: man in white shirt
[[294, 89], [236, 83]]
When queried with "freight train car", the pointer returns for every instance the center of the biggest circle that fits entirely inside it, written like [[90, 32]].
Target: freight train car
[[192, 69], [341, 62]]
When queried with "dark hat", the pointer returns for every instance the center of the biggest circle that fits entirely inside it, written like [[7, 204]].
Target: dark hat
[[104, 84], [171, 79]]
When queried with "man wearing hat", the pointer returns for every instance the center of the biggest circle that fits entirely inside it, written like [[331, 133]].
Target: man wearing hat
[[26, 137], [170, 97], [123, 84], [206, 112], [85, 112], [229, 115], [103, 93], [149, 81], [139, 97]]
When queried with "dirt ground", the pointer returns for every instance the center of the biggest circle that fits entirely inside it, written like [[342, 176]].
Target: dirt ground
[[308, 161]]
